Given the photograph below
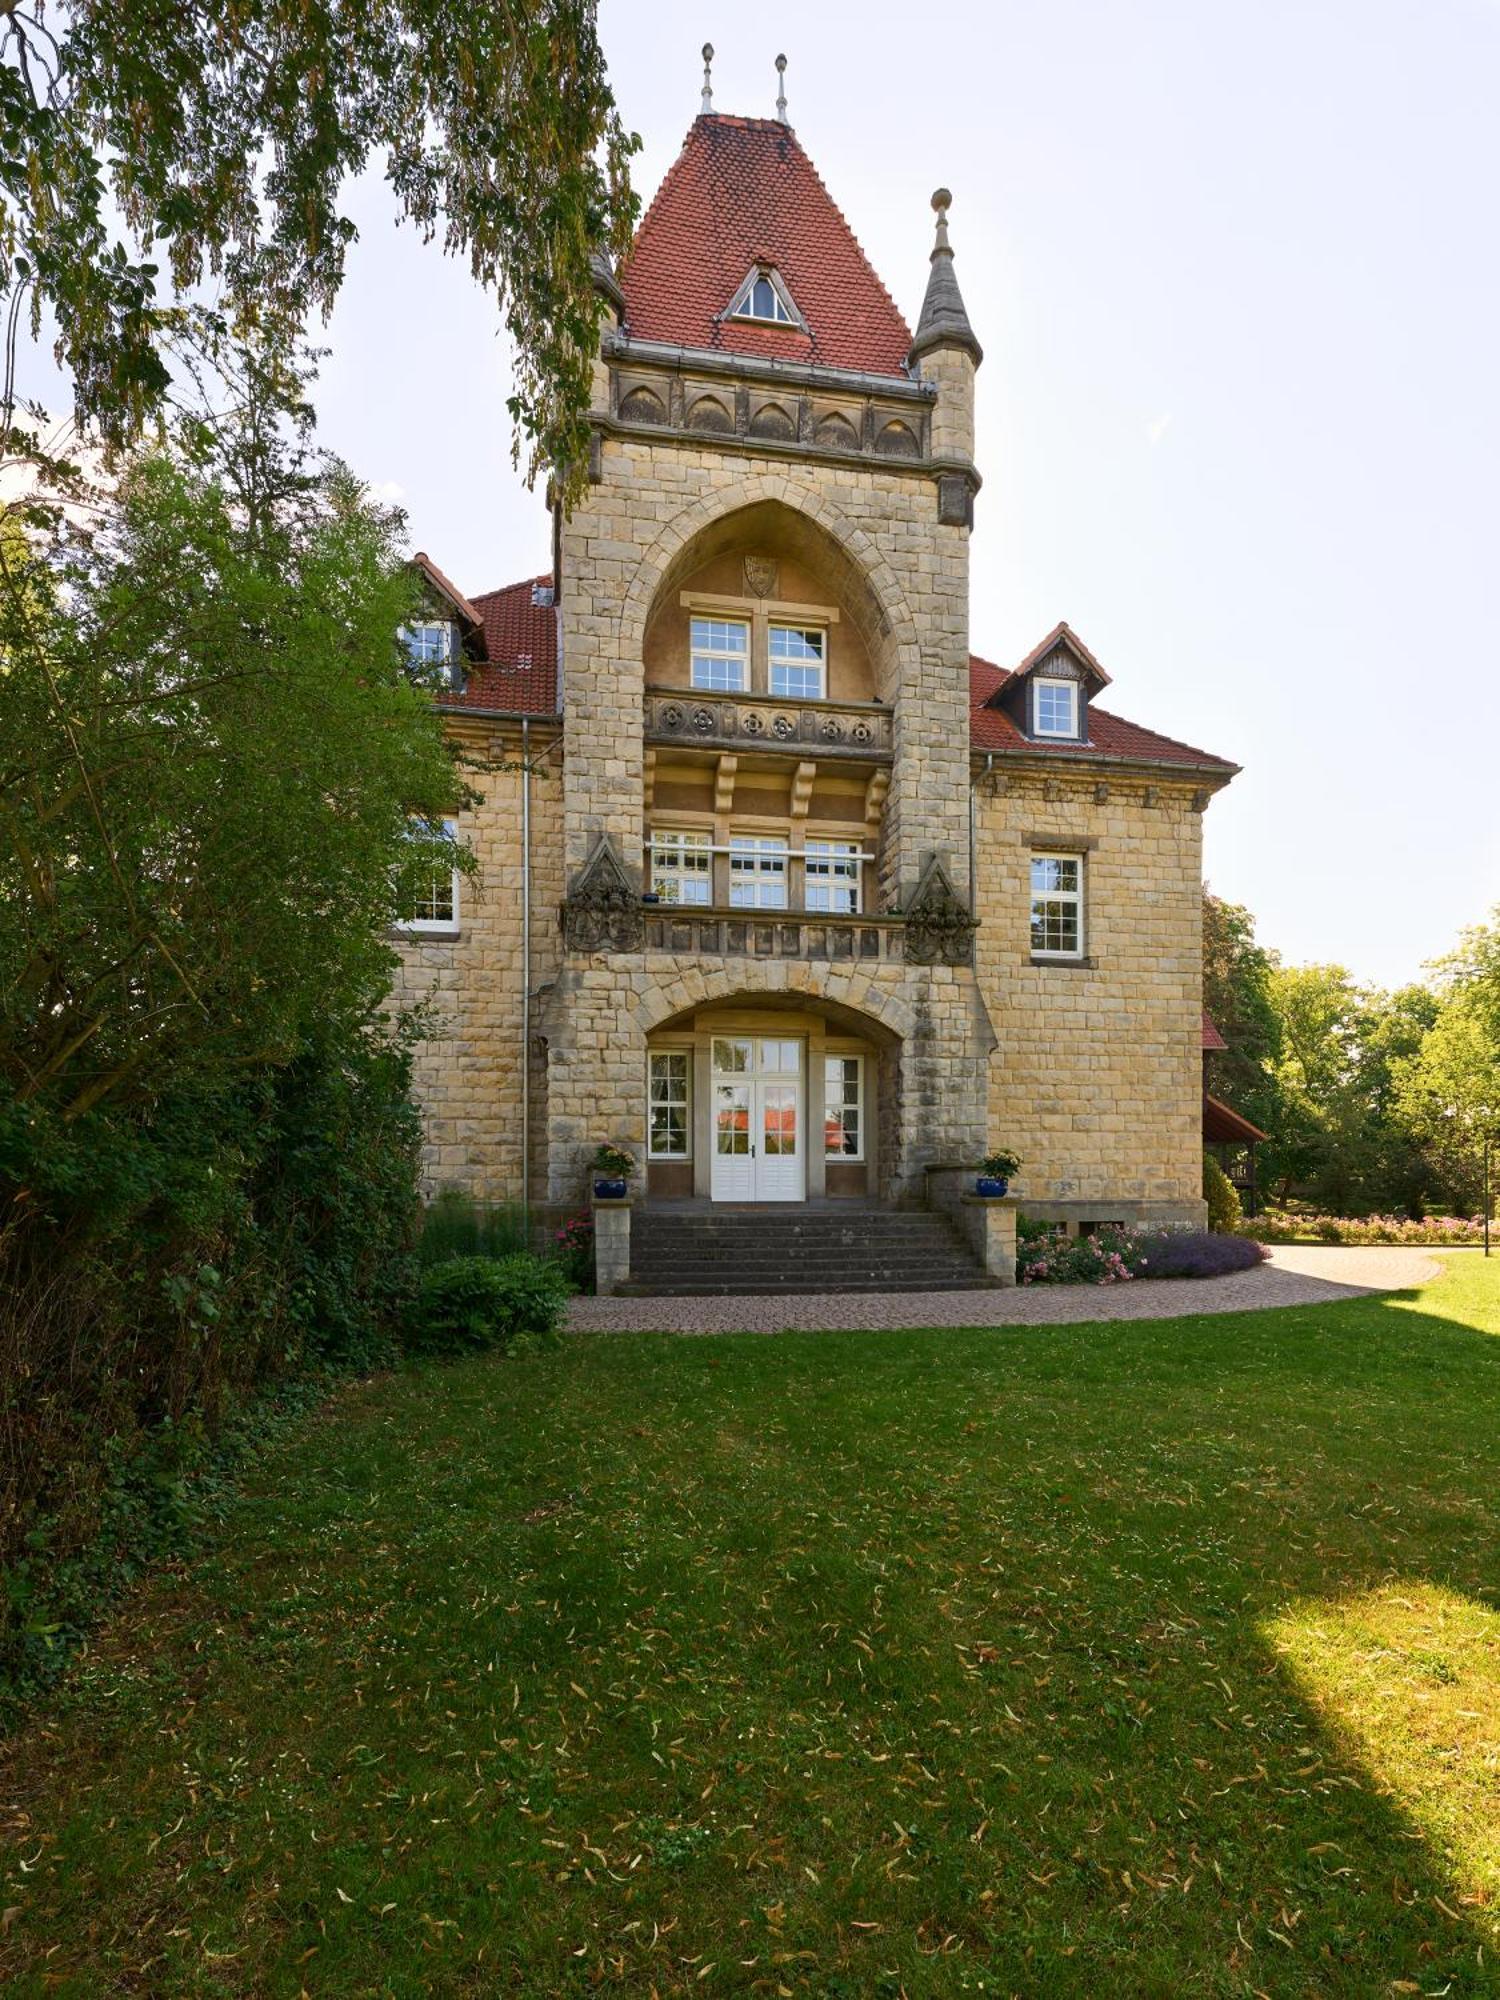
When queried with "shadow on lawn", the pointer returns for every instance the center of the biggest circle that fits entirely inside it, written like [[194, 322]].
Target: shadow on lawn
[[1151, 1659]]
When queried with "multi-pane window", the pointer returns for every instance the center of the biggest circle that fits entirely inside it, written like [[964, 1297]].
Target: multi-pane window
[[1057, 905], [797, 661], [435, 906], [1056, 708], [843, 1108], [670, 1083], [682, 867], [721, 653], [833, 876], [429, 644], [757, 874]]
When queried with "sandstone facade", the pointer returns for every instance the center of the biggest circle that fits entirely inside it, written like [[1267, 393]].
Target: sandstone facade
[[775, 494]]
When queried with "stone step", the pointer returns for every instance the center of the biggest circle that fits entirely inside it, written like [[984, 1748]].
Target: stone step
[[795, 1288], [721, 1253]]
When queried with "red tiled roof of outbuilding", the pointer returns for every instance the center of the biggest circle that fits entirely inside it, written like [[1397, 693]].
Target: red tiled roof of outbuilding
[[742, 192], [519, 670], [1109, 735], [1212, 1039]]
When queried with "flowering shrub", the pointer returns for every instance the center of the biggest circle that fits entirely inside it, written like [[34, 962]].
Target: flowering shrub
[[575, 1251], [1434, 1230], [1045, 1259], [1113, 1255]]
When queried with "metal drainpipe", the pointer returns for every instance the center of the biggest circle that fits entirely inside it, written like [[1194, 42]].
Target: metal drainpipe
[[989, 762], [526, 963]]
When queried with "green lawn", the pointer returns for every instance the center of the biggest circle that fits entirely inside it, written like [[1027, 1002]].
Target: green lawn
[[1155, 1658]]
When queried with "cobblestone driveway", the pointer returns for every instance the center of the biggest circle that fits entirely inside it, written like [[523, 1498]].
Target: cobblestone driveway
[[1294, 1277]]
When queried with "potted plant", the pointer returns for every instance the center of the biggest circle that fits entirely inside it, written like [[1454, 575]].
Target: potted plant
[[995, 1170], [613, 1167]]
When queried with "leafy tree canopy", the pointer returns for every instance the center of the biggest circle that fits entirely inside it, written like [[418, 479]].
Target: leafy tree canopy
[[211, 752], [150, 150]]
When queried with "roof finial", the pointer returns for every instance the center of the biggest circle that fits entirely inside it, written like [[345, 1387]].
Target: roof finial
[[707, 105], [781, 88], [943, 321]]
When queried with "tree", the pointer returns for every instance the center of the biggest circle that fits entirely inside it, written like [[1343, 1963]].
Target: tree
[[1237, 974], [211, 750], [223, 138], [1344, 1141], [1449, 1087]]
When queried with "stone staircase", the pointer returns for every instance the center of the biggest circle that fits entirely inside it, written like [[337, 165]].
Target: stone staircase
[[730, 1251]]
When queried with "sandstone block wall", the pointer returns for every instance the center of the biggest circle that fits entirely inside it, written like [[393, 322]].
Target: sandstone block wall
[[626, 545], [1097, 1074], [468, 1073]]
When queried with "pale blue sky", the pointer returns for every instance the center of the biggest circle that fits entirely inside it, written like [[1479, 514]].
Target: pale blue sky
[[1235, 272]]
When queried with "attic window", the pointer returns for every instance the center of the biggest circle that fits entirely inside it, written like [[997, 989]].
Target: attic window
[[764, 297], [1056, 708]]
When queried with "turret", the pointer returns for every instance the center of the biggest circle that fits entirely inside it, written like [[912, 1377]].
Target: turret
[[944, 350]]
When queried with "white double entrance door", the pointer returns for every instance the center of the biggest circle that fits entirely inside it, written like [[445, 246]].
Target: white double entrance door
[[759, 1152]]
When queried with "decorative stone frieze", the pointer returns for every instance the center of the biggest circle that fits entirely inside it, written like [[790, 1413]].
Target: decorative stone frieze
[[860, 730]]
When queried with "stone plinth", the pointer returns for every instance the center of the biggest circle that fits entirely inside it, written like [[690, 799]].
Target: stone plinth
[[611, 1245], [991, 1223]]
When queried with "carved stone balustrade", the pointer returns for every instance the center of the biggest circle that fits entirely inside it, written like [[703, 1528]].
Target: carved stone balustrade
[[853, 729], [698, 933]]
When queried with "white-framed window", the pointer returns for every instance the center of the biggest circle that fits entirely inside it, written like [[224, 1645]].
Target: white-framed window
[[763, 297], [434, 911], [721, 654], [757, 873], [1057, 905], [1056, 707], [833, 871], [669, 1124], [682, 867], [798, 657], [429, 643], [843, 1107]]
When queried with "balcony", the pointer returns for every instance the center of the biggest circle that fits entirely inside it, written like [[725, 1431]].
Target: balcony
[[699, 932], [858, 730]]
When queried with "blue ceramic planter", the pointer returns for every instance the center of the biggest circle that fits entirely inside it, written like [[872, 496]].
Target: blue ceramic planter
[[989, 1184], [611, 1190]]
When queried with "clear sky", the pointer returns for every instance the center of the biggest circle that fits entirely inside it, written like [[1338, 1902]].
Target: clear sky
[[1236, 276]]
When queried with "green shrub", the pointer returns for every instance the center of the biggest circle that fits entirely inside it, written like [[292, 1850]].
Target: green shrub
[[1220, 1194], [470, 1304], [455, 1225]]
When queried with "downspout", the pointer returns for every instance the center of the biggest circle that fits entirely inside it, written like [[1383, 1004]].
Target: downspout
[[526, 963], [989, 765]]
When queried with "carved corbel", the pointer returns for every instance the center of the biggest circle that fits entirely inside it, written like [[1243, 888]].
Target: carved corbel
[[724, 784], [802, 786]]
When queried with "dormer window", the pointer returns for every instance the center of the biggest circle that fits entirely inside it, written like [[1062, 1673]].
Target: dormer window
[[430, 643], [764, 297], [1055, 708]]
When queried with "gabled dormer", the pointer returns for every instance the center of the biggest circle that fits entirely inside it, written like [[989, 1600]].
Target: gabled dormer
[[764, 300], [446, 633], [1048, 695]]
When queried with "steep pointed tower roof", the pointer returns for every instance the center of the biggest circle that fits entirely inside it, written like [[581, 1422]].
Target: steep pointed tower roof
[[944, 320], [741, 196]]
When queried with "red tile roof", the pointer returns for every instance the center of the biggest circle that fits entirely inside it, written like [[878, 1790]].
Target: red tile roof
[[519, 670], [1212, 1039], [1109, 735], [740, 193]]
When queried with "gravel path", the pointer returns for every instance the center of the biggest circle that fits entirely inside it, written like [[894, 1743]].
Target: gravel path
[[1294, 1277]]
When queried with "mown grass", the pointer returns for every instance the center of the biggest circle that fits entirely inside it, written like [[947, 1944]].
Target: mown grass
[[1154, 1658]]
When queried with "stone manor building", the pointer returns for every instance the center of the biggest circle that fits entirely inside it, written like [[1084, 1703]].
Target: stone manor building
[[782, 887]]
